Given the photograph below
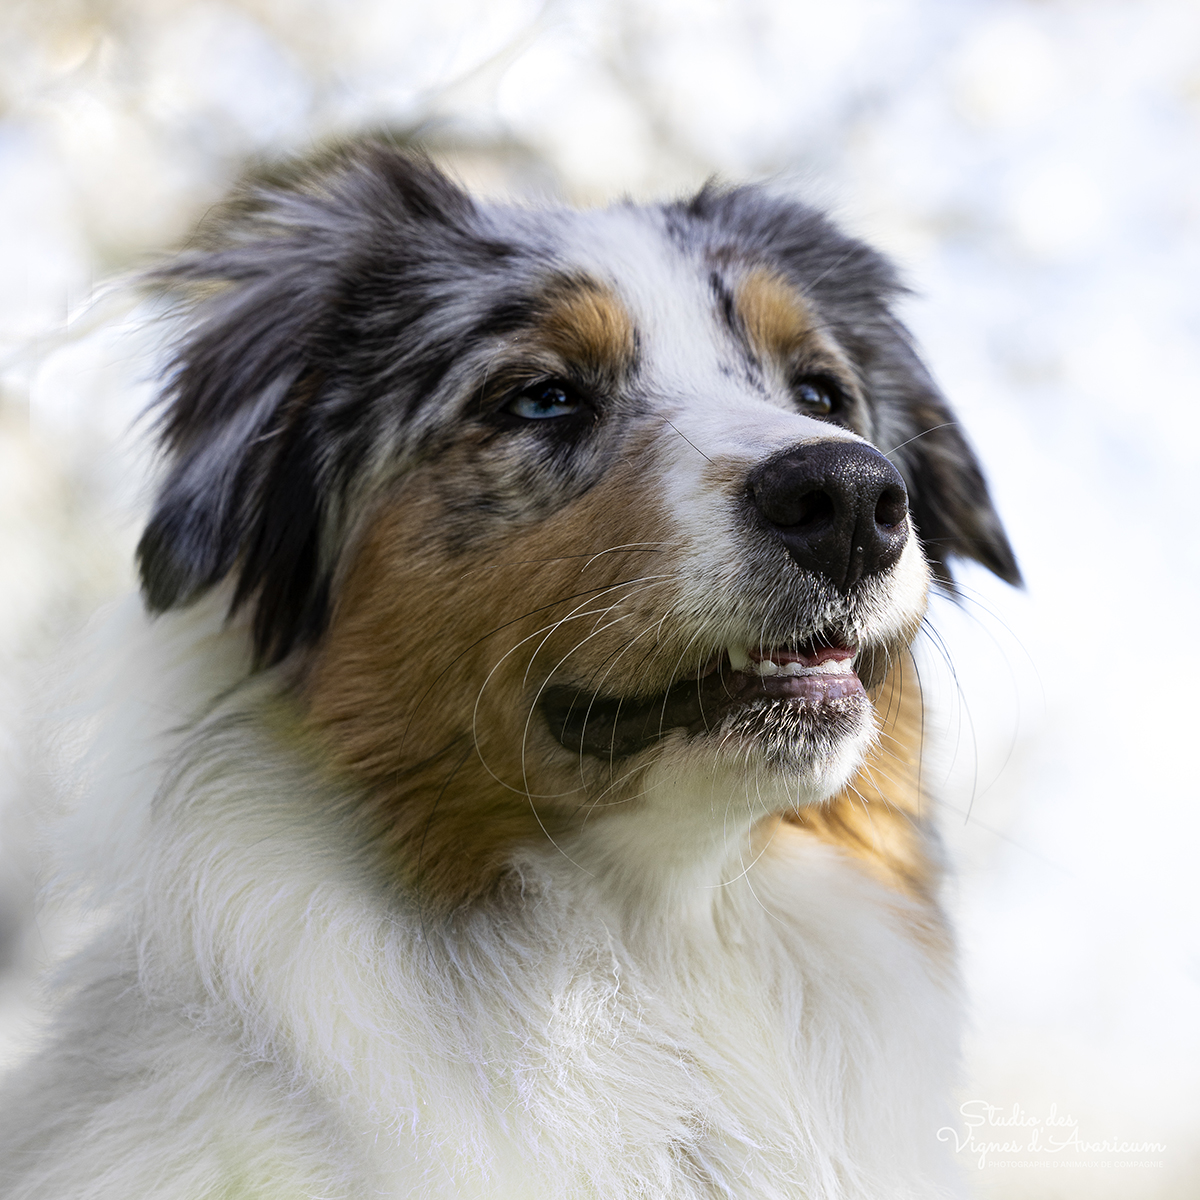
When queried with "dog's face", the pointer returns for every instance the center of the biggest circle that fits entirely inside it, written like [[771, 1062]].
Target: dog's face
[[545, 505]]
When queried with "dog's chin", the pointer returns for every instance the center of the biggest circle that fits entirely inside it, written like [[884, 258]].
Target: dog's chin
[[801, 712], [816, 745]]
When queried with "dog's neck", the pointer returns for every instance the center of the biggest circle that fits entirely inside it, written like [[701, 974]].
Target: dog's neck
[[671, 850]]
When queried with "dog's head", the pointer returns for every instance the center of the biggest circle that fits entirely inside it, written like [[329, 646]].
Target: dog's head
[[541, 501]]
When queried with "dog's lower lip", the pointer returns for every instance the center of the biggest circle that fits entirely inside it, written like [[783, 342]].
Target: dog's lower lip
[[812, 688], [617, 727]]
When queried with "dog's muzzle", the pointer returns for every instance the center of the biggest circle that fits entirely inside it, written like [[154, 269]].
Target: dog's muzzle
[[839, 508], [841, 511]]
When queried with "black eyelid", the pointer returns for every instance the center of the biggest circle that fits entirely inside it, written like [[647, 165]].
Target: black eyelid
[[549, 383], [496, 393], [818, 379], [518, 385]]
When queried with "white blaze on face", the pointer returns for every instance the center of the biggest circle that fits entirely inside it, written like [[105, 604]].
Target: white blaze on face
[[720, 418]]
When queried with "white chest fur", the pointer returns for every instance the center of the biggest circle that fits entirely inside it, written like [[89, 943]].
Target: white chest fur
[[765, 1025], [689, 1007]]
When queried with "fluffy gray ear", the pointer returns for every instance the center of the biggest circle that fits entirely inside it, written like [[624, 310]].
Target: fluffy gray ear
[[256, 405], [948, 497], [230, 423]]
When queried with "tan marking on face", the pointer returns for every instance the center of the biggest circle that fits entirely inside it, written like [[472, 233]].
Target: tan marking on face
[[587, 325], [788, 335], [778, 321], [882, 820], [423, 688]]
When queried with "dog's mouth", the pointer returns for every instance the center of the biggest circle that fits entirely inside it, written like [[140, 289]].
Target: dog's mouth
[[815, 680]]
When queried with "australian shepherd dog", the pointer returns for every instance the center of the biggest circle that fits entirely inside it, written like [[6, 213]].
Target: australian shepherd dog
[[508, 784]]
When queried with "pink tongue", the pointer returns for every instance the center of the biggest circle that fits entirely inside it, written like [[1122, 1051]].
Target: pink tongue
[[807, 656]]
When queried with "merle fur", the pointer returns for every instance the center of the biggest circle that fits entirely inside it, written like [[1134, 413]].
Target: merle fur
[[329, 311]]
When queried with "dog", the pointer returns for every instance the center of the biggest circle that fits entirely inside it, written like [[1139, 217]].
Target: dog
[[509, 783]]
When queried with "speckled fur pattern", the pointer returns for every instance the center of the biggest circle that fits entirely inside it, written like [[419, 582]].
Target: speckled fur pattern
[[364, 922]]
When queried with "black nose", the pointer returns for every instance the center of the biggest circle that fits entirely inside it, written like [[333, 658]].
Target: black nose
[[838, 507]]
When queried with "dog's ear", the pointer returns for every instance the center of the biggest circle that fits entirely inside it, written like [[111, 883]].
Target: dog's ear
[[948, 497], [254, 408]]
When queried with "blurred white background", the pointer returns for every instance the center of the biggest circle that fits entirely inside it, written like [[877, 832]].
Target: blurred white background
[[1033, 166]]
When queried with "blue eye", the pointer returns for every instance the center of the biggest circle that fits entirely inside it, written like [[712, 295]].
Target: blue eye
[[543, 401]]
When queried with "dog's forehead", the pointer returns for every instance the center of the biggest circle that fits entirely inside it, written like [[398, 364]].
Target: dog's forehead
[[663, 285], [677, 294]]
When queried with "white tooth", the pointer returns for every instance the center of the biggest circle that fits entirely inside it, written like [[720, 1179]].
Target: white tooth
[[836, 666], [739, 659], [831, 666], [767, 667]]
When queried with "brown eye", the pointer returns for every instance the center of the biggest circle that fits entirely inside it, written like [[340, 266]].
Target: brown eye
[[815, 397]]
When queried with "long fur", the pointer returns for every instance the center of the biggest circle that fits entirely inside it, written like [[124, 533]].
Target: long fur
[[368, 922]]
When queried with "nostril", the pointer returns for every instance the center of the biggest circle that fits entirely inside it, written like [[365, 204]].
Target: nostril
[[789, 508], [816, 508], [891, 508]]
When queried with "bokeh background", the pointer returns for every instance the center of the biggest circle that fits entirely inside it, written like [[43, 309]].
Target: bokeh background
[[1034, 167]]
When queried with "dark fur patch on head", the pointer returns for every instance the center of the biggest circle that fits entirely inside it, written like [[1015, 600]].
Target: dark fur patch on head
[[314, 328]]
